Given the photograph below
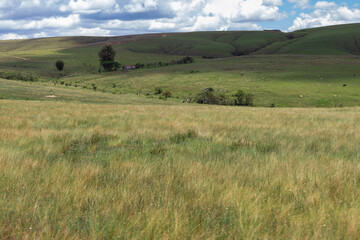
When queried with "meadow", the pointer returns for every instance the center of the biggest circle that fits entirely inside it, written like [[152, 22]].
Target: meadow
[[306, 68], [94, 171], [88, 154]]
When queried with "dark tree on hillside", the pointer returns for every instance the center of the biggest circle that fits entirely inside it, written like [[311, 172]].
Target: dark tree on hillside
[[106, 57], [59, 65]]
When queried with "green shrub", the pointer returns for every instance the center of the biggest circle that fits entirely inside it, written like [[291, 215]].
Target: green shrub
[[158, 90], [217, 97], [19, 76], [239, 98], [249, 100]]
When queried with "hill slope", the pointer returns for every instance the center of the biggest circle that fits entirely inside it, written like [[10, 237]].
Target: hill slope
[[333, 40], [266, 69]]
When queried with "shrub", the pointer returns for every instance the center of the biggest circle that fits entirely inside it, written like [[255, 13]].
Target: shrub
[[158, 90], [217, 97], [111, 65], [59, 65], [139, 65], [166, 94], [210, 96], [188, 60], [19, 76], [239, 98], [249, 100]]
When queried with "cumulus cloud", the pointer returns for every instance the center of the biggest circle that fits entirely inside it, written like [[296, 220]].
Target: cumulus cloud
[[42, 18], [325, 5], [300, 3], [12, 36], [325, 16]]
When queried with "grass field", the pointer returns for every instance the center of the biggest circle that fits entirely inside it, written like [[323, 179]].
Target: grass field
[[85, 171], [309, 77], [89, 155]]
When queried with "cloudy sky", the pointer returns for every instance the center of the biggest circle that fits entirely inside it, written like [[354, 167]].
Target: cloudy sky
[[46, 18]]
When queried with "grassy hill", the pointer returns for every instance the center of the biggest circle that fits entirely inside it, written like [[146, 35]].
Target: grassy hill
[[276, 67]]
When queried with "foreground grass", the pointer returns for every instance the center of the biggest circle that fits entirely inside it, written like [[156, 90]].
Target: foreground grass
[[82, 171]]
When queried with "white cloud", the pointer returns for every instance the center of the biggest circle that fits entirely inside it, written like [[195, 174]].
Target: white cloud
[[257, 11], [300, 3], [12, 36], [52, 22], [136, 6], [88, 6], [325, 5], [332, 16], [89, 32]]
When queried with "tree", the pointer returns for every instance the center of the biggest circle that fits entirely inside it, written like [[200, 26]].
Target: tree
[[106, 58], [59, 65]]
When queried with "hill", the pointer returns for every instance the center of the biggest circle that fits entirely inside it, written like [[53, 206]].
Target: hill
[[276, 67]]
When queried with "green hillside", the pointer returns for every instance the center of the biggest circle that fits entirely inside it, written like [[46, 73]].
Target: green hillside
[[275, 67]]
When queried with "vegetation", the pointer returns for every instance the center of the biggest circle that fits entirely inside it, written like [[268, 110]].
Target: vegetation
[[85, 171], [107, 57], [217, 97], [27, 77], [59, 65], [99, 154], [272, 79]]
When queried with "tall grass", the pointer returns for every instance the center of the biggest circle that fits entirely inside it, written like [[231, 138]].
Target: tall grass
[[82, 171]]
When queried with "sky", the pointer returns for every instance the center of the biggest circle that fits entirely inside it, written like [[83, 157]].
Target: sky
[[21, 19]]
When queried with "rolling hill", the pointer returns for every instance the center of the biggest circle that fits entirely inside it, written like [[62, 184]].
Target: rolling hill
[[276, 67]]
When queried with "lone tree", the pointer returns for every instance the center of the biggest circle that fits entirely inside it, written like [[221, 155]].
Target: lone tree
[[106, 58], [59, 65]]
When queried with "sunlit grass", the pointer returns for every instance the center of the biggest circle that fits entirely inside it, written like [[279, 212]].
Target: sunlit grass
[[83, 171]]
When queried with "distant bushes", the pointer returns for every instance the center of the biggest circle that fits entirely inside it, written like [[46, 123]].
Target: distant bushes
[[27, 77], [185, 60], [217, 97]]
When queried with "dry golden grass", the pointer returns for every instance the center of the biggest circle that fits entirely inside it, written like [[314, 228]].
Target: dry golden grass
[[79, 171]]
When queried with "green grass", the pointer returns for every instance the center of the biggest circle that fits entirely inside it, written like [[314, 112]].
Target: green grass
[[319, 64], [120, 163], [16, 90], [278, 80], [85, 171]]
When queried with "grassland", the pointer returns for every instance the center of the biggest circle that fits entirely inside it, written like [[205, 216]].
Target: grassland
[[306, 68], [107, 159], [90, 171]]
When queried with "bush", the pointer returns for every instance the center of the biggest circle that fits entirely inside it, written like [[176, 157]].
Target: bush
[[249, 99], [111, 65], [139, 65], [158, 90], [166, 94], [239, 98], [188, 60], [210, 96], [19, 76], [59, 65], [217, 97]]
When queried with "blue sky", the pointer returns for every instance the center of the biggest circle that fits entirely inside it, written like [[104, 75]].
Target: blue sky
[[46, 18]]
